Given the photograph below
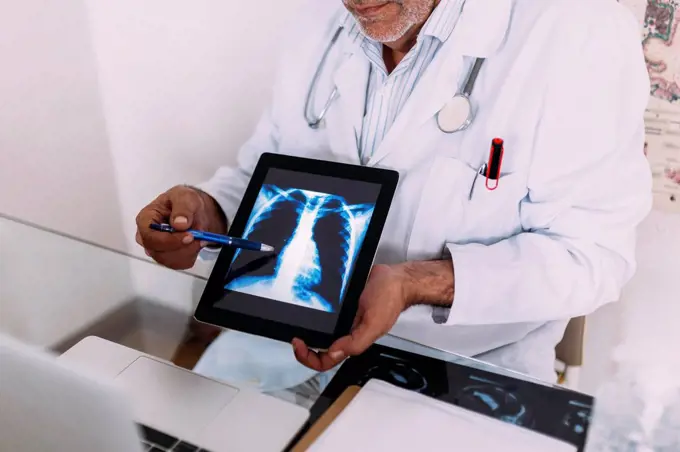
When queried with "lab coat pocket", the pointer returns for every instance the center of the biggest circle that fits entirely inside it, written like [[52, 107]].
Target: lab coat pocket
[[437, 208], [491, 210]]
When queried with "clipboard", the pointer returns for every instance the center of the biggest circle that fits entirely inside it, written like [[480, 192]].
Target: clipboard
[[326, 419]]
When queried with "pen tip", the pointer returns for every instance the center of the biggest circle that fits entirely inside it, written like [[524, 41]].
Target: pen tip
[[266, 248]]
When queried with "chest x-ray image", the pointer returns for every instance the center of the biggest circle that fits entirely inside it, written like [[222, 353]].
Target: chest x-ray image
[[317, 237]]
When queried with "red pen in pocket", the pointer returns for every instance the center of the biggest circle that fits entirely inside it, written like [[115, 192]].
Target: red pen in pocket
[[493, 167]]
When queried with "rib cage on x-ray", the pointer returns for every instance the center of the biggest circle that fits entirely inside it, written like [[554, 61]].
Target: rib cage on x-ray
[[318, 237]]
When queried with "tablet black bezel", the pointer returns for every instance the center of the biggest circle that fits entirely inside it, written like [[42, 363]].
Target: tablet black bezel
[[214, 290]]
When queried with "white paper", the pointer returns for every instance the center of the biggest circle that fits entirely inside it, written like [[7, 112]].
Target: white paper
[[662, 147], [385, 417], [660, 23]]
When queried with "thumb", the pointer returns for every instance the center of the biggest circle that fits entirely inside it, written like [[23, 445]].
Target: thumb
[[185, 204], [356, 343]]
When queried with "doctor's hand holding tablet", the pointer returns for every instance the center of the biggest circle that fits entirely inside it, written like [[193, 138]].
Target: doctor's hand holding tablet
[[515, 130], [389, 291]]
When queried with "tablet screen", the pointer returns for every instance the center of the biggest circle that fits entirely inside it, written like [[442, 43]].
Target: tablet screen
[[317, 225]]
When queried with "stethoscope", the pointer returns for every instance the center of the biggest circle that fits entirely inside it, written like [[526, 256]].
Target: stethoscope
[[455, 116]]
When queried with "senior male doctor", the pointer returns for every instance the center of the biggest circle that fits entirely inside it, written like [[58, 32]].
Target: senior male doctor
[[493, 272]]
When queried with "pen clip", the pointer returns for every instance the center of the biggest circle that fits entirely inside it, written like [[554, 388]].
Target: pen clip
[[491, 187], [482, 170], [493, 169]]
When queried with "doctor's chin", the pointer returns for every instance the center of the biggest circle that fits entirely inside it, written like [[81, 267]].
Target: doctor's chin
[[305, 235]]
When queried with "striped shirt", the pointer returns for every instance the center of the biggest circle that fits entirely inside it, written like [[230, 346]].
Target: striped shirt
[[387, 93]]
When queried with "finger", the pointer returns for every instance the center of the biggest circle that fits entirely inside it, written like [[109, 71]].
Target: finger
[[164, 242], [363, 336], [172, 262], [155, 240], [319, 361], [182, 259], [306, 356], [138, 238], [331, 359], [184, 204], [158, 212]]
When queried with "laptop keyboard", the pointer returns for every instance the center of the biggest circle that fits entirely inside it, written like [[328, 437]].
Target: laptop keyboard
[[155, 441]]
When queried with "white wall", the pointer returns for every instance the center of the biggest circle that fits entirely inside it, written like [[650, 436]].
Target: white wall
[[183, 84], [651, 303], [106, 104], [645, 322], [55, 162]]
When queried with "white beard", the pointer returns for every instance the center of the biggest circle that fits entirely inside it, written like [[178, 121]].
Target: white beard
[[410, 17]]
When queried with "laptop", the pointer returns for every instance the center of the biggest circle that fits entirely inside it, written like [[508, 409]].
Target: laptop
[[104, 397]]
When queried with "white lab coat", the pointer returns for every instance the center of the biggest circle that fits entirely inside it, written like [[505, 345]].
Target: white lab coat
[[565, 85]]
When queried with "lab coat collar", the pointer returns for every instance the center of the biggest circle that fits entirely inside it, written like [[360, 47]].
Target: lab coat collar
[[351, 80], [483, 27], [443, 19], [479, 33]]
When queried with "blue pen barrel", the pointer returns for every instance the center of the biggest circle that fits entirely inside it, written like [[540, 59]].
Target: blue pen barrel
[[214, 238]]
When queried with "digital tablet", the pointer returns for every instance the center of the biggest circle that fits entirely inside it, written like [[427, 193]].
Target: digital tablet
[[324, 220]]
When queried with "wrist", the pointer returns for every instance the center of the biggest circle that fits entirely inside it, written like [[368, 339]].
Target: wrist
[[427, 282], [218, 221], [408, 284]]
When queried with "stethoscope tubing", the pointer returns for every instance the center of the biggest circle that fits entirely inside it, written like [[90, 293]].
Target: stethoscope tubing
[[315, 121]]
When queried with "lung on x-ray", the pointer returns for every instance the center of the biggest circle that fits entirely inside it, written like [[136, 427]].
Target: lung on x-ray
[[317, 237]]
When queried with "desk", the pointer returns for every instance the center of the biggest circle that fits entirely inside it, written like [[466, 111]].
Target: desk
[[56, 289]]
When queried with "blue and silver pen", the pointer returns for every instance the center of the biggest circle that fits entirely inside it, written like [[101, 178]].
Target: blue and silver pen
[[217, 238]]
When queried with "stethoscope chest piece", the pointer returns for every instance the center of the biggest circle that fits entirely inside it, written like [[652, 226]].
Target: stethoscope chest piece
[[456, 115]]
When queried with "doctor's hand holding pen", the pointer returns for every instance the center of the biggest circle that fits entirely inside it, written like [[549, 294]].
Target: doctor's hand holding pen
[[182, 208]]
